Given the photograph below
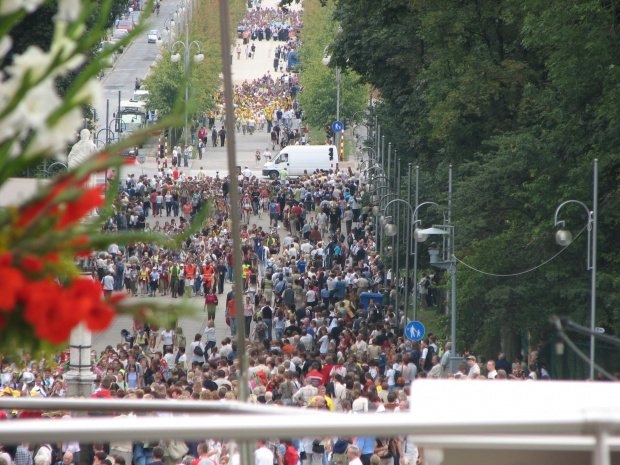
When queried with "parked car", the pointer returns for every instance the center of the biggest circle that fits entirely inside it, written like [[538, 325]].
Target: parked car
[[103, 46], [136, 16], [120, 34], [130, 152], [126, 24], [153, 36]]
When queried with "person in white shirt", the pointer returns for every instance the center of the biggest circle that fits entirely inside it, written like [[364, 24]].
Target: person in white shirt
[[491, 371], [262, 455], [410, 451], [353, 452], [324, 343], [247, 173], [474, 369]]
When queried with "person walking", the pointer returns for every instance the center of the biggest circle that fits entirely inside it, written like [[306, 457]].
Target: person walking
[[211, 302], [222, 136]]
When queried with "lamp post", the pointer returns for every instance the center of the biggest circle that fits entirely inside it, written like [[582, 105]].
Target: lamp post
[[447, 261], [168, 29], [372, 158], [418, 238], [391, 230], [326, 59], [565, 238], [175, 58]]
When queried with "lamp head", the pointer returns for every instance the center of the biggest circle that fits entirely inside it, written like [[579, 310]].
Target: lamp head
[[390, 229], [563, 237], [199, 57], [419, 236], [326, 60], [375, 210], [175, 57]]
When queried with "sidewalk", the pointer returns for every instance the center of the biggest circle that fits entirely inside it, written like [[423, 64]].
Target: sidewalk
[[214, 160]]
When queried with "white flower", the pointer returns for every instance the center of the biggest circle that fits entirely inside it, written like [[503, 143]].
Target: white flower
[[68, 10], [8, 7], [10, 125], [38, 104], [5, 45], [33, 59], [54, 139], [63, 47], [91, 92]]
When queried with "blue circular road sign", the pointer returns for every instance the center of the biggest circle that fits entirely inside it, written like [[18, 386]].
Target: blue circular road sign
[[337, 126], [415, 331]]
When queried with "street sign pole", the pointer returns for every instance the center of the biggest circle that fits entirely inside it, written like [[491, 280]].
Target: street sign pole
[[415, 331]]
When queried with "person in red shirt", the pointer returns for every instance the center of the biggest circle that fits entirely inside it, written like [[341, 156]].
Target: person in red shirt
[[327, 369], [232, 315], [291, 457], [104, 392], [314, 375], [287, 347]]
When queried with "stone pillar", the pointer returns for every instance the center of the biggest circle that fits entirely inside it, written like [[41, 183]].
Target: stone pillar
[[80, 377]]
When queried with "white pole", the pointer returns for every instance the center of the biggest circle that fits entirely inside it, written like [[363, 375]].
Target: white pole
[[593, 270]]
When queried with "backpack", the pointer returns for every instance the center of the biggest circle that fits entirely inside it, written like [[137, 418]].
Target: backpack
[[340, 459], [428, 362], [398, 374], [198, 351], [261, 329]]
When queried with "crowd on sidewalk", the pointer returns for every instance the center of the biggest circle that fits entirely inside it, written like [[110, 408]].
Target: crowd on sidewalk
[[321, 312], [320, 333]]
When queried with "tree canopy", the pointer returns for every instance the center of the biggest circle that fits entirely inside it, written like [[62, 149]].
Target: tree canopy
[[520, 96]]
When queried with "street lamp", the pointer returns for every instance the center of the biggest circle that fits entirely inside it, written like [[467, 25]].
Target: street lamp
[[176, 57], [564, 238], [448, 262], [391, 230], [372, 157], [326, 60]]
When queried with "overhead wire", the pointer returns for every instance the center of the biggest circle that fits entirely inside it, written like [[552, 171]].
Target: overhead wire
[[521, 272]]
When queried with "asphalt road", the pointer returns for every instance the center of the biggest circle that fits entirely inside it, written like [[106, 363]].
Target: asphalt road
[[135, 62]]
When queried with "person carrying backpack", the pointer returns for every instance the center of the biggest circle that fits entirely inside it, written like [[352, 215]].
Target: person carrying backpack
[[426, 360]]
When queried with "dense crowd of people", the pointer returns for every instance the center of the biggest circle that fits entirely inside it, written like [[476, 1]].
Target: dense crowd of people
[[321, 332], [322, 313]]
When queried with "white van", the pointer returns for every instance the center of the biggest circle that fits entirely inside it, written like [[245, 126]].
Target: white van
[[302, 159]]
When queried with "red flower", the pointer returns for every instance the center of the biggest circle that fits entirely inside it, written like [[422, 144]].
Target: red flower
[[51, 257], [41, 300], [12, 281], [75, 211], [83, 295], [33, 210], [49, 311], [32, 264], [6, 259], [99, 317]]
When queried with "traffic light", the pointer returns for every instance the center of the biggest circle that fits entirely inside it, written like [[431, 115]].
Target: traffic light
[[346, 123], [331, 154]]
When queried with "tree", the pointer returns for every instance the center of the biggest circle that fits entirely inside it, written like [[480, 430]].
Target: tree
[[319, 82], [519, 97]]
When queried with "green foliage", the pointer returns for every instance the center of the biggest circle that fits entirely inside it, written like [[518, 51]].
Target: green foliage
[[319, 82], [520, 97]]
